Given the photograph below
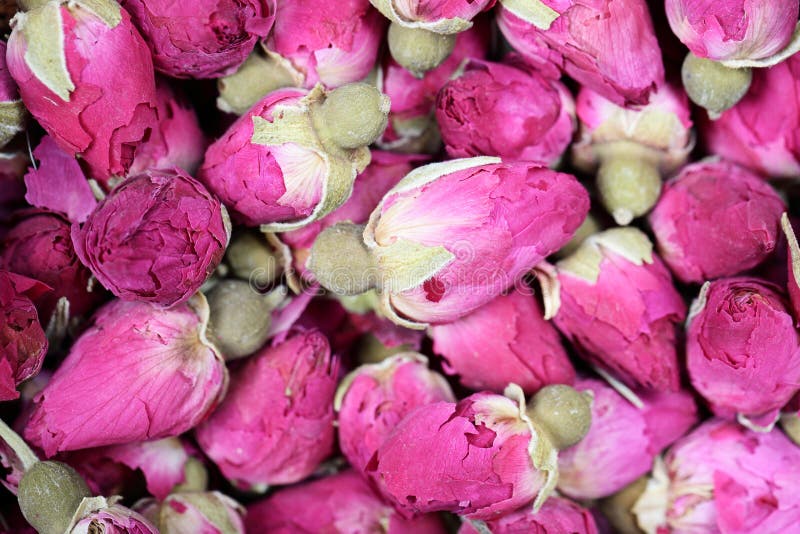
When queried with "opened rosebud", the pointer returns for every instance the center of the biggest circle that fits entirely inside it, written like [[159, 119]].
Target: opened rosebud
[[742, 350], [510, 111], [556, 516], [101, 515], [162, 356], [276, 424], [155, 238], [617, 305], [715, 219], [504, 341], [583, 41], [12, 112], [196, 512], [97, 101]]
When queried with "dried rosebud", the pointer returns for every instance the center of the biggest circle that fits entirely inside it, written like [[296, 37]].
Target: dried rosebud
[[12, 112], [155, 238], [97, 101], [49, 494], [293, 157], [618, 307], [557, 516], [23, 344], [339, 504], [584, 41], [374, 398], [504, 341], [138, 372], [194, 512], [742, 350], [111, 518], [715, 219], [276, 424], [509, 111], [201, 39], [623, 440]]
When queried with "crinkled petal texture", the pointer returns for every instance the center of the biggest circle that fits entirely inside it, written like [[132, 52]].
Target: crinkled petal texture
[[137, 373], [762, 131], [112, 107], [338, 504], [202, 38], [501, 110], [378, 396], [276, 423], [742, 350], [497, 220], [439, 10], [725, 478], [23, 344], [607, 45], [715, 219], [623, 440], [115, 519], [556, 516], [504, 341], [733, 29], [470, 458], [155, 238]]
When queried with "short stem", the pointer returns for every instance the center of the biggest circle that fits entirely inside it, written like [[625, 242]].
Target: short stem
[[419, 50], [562, 412], [341, 262], [712, 85], [629, 185]]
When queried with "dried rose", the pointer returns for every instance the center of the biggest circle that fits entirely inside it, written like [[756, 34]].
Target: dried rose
[[556, 516], [112, 519], [194, 512]]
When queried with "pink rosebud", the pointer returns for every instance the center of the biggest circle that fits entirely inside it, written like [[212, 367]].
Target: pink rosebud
[[504, 341], [441, 16], [715, 219], [139, 372], [276, 424], [585, 41], [374, 398], [86, 75], [155, 238], [112, 519], [23, 344], [620, 310], [557, 516], [505, 110], [201, 39], [742, 350], [339, 504], [195, 513], [623, 440], [12, 112]]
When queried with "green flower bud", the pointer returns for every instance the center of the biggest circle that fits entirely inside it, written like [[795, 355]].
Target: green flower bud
[[341, 262], [352, 116], [419, 50], [712, 85]]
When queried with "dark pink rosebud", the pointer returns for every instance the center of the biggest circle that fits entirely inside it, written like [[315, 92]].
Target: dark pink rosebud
[[339, 504], [201, 39], [623, 440], [584, 40], [374, 398], [742, 350], [509, 111], [23, 344], [194, 512], [276, 424], [504, 341], [557, 516], [155, 238], [12, 112], [715, 219], [110, 519], [617, 305], [97, 98], [139, 372]]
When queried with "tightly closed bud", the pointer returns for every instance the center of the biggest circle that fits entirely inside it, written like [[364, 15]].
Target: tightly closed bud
[[712, 85], [557, 516], [563, 413], [449, 17], [49, 495], [341, 262], [251, 258], [419, 50], [353, 115]]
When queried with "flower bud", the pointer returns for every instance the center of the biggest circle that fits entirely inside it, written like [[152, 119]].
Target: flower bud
[[353, 115], [105, 516], [419, 50], [49, 494], [251, 258], [557, 516], [199, 512], [12, 112], [712, 85]]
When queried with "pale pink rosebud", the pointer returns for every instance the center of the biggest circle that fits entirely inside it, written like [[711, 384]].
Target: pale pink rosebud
[[504, 341], [442, 16], [12, 112], [557, 516], [742, 350], [203, 38], [275, 425], [194, 512], [155, 238], [112, 519], [715, 219], [505, 110], [97, 101], [338, 504], [138, 372]]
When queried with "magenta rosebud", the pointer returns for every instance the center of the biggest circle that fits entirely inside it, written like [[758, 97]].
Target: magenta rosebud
[[339, 504], [23, 344], [623, 440], [584, 41], [374, 398], [194, 512], [619, 308], [557, 516], [12, 112], [276, 424], [113, 519], [504, 341], [715, 219], [202, 39], [155, 238], [97, 101], [139, 372], [742, 350], [505, 110]]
